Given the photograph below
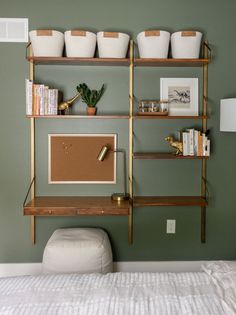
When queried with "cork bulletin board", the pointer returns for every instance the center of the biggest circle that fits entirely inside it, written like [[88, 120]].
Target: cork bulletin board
[[72, 159]]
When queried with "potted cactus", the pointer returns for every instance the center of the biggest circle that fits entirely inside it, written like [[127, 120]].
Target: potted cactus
[[90, 97]]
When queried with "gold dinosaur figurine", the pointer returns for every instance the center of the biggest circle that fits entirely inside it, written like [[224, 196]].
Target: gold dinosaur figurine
[[177, 145], [64, 106]]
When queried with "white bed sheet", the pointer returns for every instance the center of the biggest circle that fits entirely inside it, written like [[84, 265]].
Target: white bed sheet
[[200, 293]]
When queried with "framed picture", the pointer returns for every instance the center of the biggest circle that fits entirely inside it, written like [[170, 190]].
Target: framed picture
[[182, 94], [73, 159]]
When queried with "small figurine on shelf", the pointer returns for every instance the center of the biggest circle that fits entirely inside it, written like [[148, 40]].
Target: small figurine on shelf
[[64, 106], [90, 97], [177, 145]]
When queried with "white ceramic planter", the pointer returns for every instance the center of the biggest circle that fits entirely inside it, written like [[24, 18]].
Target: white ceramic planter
[[153, 44], [186, 44], [112, 44], [80, 43], [47, 43]]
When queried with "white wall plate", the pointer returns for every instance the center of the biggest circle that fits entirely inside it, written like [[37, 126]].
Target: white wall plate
[[13, 30]]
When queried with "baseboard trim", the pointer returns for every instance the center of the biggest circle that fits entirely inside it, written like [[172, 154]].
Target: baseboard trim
[[157, 266], [19, 269]]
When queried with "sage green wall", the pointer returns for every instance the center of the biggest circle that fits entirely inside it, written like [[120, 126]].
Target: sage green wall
[[217, 21]]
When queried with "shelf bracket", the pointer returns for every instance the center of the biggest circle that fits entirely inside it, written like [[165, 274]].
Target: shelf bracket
[[207, 48], [28, 191], [32, 225]]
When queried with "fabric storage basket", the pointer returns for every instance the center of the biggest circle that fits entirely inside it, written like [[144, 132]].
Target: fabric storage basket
[[153, 44], [80, 43], [112, 44], [47, 43], [186, 44]]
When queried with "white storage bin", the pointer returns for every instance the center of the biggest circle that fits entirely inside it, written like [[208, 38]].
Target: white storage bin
[[153, 44], [80, 43], [112, 44], [47, 43], [186, 44]]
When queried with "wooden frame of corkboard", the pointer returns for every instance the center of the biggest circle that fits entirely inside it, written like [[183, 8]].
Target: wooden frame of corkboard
[[72, 159]]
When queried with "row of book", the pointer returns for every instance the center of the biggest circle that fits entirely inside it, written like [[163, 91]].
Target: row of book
[[195, 143], [40, 100]]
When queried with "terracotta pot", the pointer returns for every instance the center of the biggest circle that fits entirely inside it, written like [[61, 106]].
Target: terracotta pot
[[91, 111]]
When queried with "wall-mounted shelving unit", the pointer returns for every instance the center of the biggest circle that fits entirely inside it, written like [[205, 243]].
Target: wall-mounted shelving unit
[[75, 206]]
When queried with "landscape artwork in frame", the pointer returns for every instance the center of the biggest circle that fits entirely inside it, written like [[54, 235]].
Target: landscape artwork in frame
[[182, 94]]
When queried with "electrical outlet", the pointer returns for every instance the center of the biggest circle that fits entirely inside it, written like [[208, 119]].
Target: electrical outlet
[[170, 226]]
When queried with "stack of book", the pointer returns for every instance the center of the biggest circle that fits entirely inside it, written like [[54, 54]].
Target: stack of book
[[40, 100], [195, 143]]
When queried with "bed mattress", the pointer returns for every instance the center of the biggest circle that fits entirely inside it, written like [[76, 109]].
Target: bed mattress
[[209, 292]]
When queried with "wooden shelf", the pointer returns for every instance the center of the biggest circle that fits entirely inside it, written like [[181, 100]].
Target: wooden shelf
[[79, 116], [73, 206], [165, 156], [140, 116], [152, 201], [125, 62], [122, 62], [169, 62], [118, 116]]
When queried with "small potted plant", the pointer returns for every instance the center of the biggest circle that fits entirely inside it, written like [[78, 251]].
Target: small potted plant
[[90, 97]]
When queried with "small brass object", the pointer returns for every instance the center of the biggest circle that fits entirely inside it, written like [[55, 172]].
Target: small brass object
[[177, 145], [64, 106], [120, 197]]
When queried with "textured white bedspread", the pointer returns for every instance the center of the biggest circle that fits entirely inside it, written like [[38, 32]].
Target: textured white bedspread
[[118, 294]]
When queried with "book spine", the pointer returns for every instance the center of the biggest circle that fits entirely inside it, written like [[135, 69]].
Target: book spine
[[200, 145], [29, 96], [196, 135], [55, 102], [204, 144], [35, 100], [49, 101], [41, 99], [185, 136], [45, 100], [208, 147], [191, 142]]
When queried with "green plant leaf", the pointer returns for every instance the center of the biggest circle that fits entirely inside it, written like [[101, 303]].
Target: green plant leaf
[[90, 97]]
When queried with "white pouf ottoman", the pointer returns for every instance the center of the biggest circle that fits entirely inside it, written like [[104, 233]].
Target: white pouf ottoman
[[77, 250]]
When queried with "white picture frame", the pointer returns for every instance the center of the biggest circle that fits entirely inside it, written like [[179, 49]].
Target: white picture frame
[[182, 94]]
